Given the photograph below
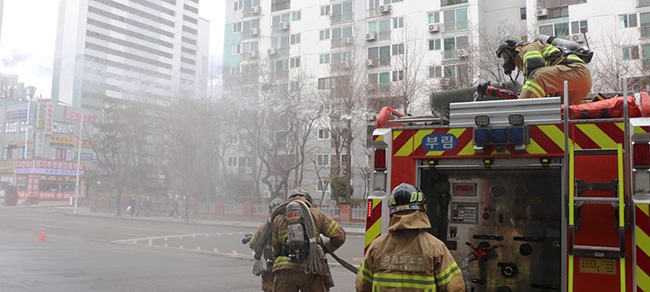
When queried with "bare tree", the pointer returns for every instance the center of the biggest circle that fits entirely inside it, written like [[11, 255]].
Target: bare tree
[[611, 64]]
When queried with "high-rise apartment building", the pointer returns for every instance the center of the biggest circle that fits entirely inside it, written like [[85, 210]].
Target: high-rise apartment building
[[398, 52], [139, 50]]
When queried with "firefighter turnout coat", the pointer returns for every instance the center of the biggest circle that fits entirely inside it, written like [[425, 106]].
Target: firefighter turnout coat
[[545, 69], [407, 258], [323, 224]]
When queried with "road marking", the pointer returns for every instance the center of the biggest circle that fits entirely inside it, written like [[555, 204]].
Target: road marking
[[180, 246], [198, 248], [53, 226], [216, 250], [234, 252]]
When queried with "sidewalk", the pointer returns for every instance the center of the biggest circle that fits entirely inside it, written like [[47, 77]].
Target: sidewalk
[[84, 210]]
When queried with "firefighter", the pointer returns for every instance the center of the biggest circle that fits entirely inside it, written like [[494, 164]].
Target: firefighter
[[267, 276], [408, 258], [291, 263], [545, 68]]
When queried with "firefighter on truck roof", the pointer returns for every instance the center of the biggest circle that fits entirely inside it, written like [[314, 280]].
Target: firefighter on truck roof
[[408, 258], [545, 68]]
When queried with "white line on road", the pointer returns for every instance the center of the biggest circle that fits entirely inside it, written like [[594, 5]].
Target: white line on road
[[216, 250], [234, 252], [180, 246], [53, 226]]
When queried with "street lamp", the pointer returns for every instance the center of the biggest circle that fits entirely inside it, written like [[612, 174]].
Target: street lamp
[[76, 186], [81, 128]]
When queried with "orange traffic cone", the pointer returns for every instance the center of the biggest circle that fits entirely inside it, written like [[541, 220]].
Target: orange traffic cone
[[42, 237]]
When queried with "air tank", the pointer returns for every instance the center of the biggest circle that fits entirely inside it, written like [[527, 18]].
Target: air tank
[[559, 42], [441, 100]]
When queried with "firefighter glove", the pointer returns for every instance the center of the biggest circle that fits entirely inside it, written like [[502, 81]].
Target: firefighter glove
[[482, 88], [324, 242]]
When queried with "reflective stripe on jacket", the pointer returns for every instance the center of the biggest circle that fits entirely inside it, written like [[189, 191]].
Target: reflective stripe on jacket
[[408, 260]]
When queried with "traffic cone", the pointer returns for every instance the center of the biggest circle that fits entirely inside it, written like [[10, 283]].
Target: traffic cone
[[42, 237]]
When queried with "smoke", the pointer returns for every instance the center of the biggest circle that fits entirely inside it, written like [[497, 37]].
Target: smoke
[[15, 58]]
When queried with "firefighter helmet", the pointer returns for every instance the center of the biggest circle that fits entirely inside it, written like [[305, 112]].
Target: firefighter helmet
[[406, 197], [275, 203], [507, 43], [301, 192]]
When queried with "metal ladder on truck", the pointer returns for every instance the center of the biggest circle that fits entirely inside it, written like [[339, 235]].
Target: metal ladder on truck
[[595, 262]]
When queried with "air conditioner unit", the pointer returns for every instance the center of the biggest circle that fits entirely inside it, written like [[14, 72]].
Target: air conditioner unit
[[385, 9], [371, 36], [370, 87], [283, 25], [434, 27], [255, 10], [542, 12], [252, 54], [345, 65], [255, 31], [270, 52], [370, 63], [347, 40], [578, 38], [461, 53]]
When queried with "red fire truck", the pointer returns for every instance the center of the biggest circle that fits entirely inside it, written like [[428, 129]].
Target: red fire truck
[[526, 199]]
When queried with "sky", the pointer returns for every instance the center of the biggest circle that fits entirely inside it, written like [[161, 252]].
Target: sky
[[28, 39]]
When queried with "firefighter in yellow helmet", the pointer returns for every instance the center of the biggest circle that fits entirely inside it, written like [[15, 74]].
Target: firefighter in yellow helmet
[[545, 68], [408, 258], [294, 235]]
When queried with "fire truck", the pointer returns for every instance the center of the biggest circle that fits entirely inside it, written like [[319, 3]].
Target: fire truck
[[525, 197]]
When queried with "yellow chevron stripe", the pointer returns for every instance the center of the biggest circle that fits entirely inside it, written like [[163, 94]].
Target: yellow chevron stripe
[[534, 148], [467, 150], [407, 148], [597, 135], [642, 280], [643, 243], [418, 139], [554, 133], [375, 203], [639, 130], [379, 138], [373, 232]]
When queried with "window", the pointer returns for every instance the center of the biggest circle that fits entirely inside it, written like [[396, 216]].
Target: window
[[434, 45], [381, 27], [323, 134], [555, 29], [455, 19], [294, 62], [398, 22], [232, 161], [323, 159], [295, 39], [237, 27], [398, 76], [324, 83], [576, 25], [325, 10], [631, 52], [627, 20], [435, 72], [341, 12], [451, 45], [324, 58], [433, 17], [384, 56], [398, 49], [234, 138], [296, 15], [324, 34], [235, 49]]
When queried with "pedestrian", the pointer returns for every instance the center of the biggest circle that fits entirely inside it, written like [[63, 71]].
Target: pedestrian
[[300, 263], [175, 208], [132, 206], [266, 274], [408, 258], [545, 68], [139, 207]]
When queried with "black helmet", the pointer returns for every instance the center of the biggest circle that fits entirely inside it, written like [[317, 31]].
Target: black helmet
[[509, 42], [406, 197], [275, 203], [301, 192]]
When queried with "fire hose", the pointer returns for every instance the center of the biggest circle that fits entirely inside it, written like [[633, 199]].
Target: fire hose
[[341, 261]]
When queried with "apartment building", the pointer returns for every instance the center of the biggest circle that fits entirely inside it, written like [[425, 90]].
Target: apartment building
[[397, 52], [150, 51]]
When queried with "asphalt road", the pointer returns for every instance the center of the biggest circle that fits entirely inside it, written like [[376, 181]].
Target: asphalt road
[[83, 253]]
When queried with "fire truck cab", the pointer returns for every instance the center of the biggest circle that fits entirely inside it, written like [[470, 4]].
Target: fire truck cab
[[536, 201]]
